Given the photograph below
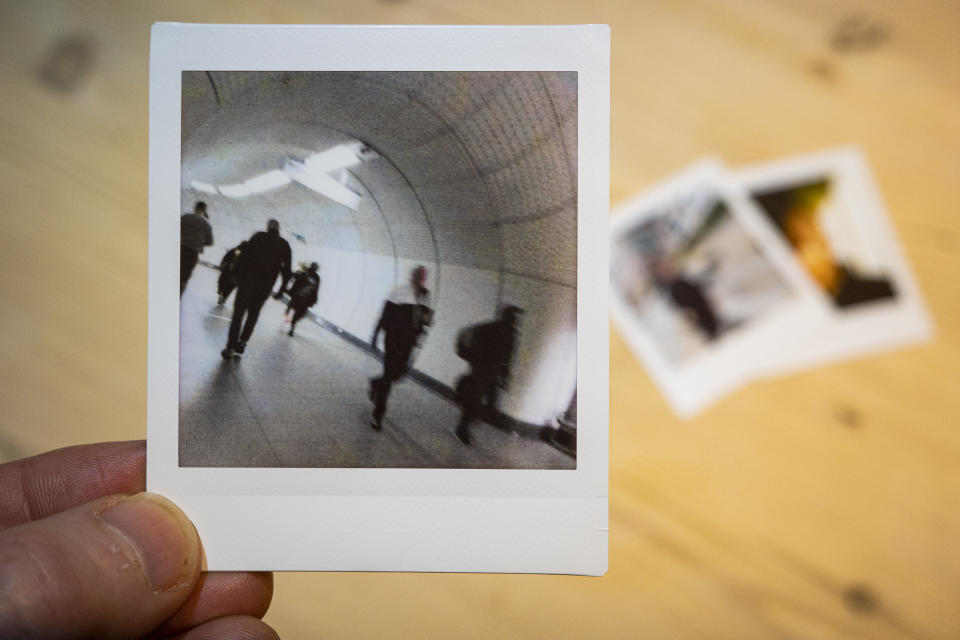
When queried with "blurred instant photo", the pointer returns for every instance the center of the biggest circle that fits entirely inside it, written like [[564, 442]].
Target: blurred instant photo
[[374, 361], [827, 212], [697, 289]]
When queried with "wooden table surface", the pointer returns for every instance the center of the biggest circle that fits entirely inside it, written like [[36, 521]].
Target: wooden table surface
[[822, 505]]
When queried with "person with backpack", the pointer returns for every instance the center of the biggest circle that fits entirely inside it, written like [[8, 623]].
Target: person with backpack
[[303, 291], [406, 315], [227, 281], [489, 350]]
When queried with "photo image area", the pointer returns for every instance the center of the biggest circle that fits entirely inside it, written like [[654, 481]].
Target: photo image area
[[449, 195], [690, 274], [823, 235]]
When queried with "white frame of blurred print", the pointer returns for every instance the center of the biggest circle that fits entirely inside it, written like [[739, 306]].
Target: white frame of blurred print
[[828, 202], [699, 287], [517, 520]]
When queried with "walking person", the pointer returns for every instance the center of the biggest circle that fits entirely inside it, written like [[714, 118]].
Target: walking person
[[195, 234], [227, 281], [304, 291], [406, 314], [489, 349], [262, 258]]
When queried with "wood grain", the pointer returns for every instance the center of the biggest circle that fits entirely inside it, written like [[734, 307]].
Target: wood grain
[[823, 505]]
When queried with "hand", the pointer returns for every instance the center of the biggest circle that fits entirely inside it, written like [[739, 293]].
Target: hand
[[84, 553]]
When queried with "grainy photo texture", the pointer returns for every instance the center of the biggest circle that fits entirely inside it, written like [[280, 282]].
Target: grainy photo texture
[[378, 269]]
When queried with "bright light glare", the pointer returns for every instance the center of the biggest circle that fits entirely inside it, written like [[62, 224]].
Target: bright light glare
[[206, 187], [235, 190], [338, 157], [312, 173], [267, 181], [322, 184]]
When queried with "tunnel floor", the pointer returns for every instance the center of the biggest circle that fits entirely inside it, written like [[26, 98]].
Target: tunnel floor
[[302, 402]]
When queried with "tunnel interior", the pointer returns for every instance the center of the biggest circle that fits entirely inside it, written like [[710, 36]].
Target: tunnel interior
[[472, 174]]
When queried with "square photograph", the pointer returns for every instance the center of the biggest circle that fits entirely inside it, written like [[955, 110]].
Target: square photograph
[[699, 290], [379, 269], [392, 254], [826, 210]]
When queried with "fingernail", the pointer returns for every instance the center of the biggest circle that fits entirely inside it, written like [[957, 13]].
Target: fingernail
[[160, 534]]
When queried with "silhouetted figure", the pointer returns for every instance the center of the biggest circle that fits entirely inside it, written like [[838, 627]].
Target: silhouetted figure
[[304, 290], [406, 314], [489, 349], [689, 296], [264, 256], [195, 234], [228, 274]]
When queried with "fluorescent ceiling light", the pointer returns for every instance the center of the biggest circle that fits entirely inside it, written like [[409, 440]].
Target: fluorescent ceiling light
[[235, 190], [322, 184], [312, 172], [338, 157], [267, 181], [206, 187]]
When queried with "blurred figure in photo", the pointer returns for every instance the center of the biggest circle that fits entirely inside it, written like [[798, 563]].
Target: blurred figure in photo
[[195, 234], [489, 349], [263, 257], [688, 295], [304, 291], [227, 281], [406, 315]]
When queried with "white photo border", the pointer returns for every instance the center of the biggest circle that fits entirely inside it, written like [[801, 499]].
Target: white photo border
[[517, 521]]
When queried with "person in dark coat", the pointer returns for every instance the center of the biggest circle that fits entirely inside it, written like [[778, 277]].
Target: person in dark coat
[[405, 317], [262, 258], [195, 234], [304, 291], [489, 349], [228, 274], [687, 295]]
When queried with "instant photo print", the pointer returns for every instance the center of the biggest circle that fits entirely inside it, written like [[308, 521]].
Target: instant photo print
[[700, 289], [388, 349], [827, 212]]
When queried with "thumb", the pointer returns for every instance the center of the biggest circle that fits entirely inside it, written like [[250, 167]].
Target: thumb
[[116, 567]]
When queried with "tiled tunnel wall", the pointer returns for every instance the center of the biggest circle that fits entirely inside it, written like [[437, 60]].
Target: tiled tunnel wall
[[476, 179]]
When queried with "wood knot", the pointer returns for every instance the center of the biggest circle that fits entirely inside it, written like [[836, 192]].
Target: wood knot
[[861, 600], [67, 63], [849, 417], [858, 34], [822, 70]]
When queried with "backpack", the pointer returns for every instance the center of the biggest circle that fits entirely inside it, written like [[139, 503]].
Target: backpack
[[309, 289], [465, 342]]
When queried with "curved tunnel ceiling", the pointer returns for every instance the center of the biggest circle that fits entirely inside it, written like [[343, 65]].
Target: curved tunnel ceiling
[[475, 169]]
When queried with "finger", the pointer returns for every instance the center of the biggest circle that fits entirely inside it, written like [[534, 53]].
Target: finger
[[37, 487], [113, 568], [218, 595], [233, 627]]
